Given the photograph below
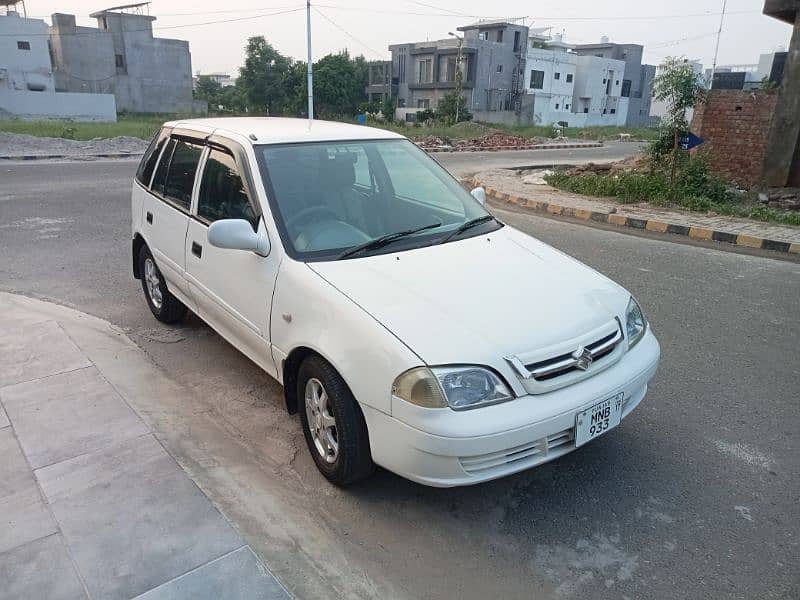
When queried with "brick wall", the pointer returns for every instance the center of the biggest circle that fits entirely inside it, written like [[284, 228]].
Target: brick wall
[[735, 127]]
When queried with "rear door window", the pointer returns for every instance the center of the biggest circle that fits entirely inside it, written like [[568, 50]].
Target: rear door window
[[222, 193], [180, 177]]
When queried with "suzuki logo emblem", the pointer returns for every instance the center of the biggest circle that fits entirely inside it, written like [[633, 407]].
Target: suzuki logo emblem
[[583, 358]]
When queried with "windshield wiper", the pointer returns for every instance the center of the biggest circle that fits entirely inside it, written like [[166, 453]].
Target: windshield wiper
[[385, 239], [467, 225]]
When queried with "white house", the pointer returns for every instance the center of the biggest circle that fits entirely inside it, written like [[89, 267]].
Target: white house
[[27, 86], [550, 69], [597, 94]]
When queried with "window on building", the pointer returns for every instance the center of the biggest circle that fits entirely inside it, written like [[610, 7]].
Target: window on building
[[499, 68], [617, 82], [566, 106], [537, 80], [599, 55], [500, 35], [626, 88], [604, 81], [556, 75], [401, 61], [425, 70], [222, 194], [605, 111], [516, 41], [483, 35], [557, 105], [586, 110], [569, 77], [613, 111], [22, 45], [119, 61], [423, 103]]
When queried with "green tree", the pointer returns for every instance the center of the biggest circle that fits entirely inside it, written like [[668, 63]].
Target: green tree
[[296, 84], [339, 85], [452, 106], [232, 99], [262, 77], [388, 107], [207, 89], [681, 88]]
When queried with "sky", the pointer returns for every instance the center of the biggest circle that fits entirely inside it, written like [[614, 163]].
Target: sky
[[217, 31]]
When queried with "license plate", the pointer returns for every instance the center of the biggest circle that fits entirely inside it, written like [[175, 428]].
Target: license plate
[[598, 419]]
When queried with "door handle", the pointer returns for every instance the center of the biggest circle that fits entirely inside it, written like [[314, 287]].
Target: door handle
[[197, 250], [149, 217]]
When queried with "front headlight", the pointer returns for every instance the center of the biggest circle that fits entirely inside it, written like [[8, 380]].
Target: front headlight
[[460, 388], [635, 323]]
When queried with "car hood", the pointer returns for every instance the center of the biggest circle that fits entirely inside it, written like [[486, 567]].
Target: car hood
[[479, 299]]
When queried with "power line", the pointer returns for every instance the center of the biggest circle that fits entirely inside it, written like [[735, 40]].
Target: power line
[[215, 22], [347, 33]]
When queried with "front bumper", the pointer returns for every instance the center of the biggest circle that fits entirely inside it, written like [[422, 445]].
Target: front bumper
[[432, 453]]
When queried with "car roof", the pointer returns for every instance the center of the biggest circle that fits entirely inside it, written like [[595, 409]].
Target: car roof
[[279, 130]]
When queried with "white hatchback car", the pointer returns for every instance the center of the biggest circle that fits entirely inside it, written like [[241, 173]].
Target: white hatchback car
[[409, 327]]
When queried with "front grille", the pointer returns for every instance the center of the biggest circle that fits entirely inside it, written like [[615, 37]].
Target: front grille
[[562, 364], [523, 456]]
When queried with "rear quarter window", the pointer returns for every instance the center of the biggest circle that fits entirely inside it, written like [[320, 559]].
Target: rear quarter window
[[148, 163]]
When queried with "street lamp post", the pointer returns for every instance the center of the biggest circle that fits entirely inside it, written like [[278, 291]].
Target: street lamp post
[[459, 77]]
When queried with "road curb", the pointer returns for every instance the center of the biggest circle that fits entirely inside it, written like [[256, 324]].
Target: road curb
[[531, 147], [53, 156], [654, 225]]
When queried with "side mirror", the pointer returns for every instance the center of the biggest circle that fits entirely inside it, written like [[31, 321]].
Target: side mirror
[[238, 234], [479, 194]]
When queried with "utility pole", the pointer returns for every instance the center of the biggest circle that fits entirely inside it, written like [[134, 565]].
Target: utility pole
[[716, 49], [459, 77], [309, 70]]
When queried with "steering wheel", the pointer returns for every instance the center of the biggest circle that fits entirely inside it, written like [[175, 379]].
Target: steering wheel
[[307, 212]]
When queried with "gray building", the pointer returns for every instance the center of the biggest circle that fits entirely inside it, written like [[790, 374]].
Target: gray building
[[121, 57], [637, 79], [492, 67], [380, 84]]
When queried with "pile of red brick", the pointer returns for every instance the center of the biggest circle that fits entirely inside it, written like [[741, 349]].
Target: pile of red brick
[[496, 140]]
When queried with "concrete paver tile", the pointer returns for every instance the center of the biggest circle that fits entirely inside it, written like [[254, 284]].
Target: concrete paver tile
[[40, 569], [132, 518], [236, 576], [23, 515], [65, 415], [37, 350]]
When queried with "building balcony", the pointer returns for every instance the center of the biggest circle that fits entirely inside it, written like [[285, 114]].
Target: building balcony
[[440, 85]]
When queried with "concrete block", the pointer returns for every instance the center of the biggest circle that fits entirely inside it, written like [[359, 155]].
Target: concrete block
[[37, 350], [235, 576], [40, 569], [132, 518], [23, 515], [65, 415]]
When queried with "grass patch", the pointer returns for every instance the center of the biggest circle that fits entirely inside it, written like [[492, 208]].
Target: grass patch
[[133, 125], [693, 190]]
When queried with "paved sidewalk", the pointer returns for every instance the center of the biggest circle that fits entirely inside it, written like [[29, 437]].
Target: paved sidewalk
[[91, 504], [507, 186]]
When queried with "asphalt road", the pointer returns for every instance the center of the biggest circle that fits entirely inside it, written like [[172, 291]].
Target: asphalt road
[[695, 495], [468, 163]]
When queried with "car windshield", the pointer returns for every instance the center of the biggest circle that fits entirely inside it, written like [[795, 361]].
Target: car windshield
[[330, 198]]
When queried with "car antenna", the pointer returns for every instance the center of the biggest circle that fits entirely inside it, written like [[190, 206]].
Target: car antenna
[[253, 137]]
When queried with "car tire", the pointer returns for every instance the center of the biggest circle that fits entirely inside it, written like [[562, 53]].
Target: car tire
[[333, 424], [164, 306]]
